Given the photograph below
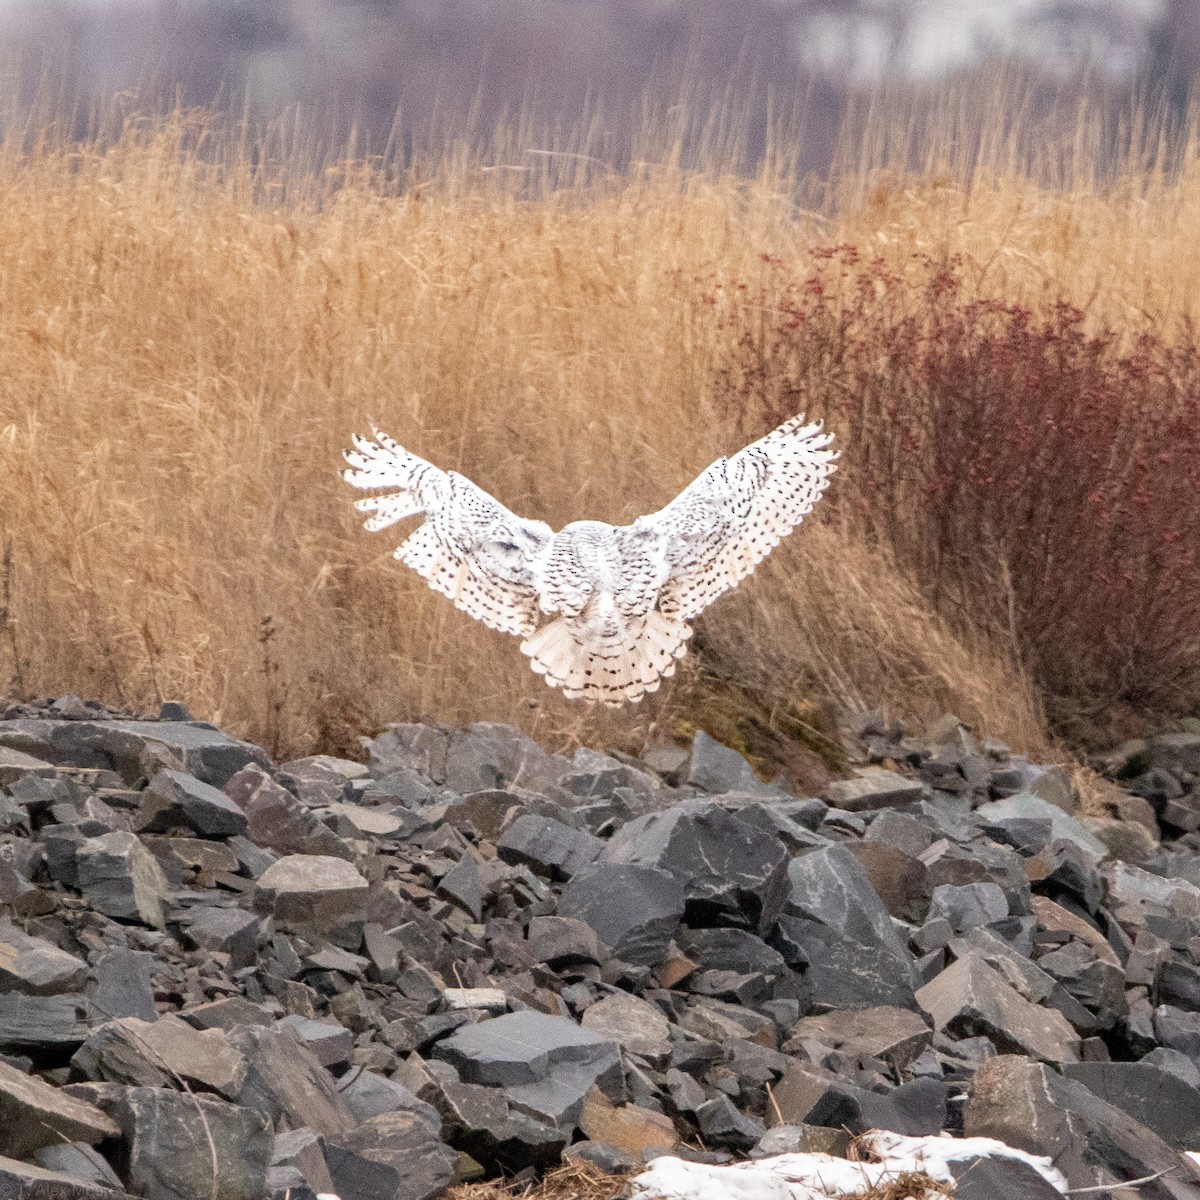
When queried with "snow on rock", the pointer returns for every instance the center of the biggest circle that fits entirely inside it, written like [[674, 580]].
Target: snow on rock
[[819, 1176]]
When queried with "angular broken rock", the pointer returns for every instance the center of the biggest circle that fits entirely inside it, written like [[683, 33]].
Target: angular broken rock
[[24, 1181], [311, 893], [545, 1064], [125, 746], [395, 1156], [637, 1026], [1027, 1105], [1150, 1094], [845, 935], [35, 966], [731, 871], [548, 846], [893, 1035], [175, 798], [231, 931], [159, 1053], [43, 1025], [479, 1121], [969, 999], [871, 788], [811, 1095], [277, 820], [121, 878], [284, 1080], [183, 1146], [716, 768], [638, 1131], [634, 910], [34, 1114]]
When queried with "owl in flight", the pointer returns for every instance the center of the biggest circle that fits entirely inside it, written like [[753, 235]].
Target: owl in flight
[[603, 610]]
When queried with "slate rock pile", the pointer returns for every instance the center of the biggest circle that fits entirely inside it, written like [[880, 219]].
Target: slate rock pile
[[466, 956]]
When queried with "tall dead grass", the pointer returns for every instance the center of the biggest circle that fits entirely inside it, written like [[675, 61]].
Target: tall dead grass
[[191, 326]]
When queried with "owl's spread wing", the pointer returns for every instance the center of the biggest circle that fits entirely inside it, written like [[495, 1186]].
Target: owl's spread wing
[[723, 524], [469, 547]]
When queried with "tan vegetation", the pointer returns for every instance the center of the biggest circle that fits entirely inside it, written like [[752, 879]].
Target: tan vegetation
[[191, 325]]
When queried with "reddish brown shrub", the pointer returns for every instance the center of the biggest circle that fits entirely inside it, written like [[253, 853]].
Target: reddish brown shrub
[[1040, 476]]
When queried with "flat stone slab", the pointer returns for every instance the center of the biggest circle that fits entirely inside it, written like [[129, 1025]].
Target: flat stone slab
[[34, 1114], [872, 788], [545, 1064]]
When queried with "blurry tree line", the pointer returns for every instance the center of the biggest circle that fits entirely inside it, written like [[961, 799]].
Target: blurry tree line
[[392, 71]]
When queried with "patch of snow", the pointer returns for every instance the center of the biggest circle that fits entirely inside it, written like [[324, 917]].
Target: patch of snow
[[820, 1176]]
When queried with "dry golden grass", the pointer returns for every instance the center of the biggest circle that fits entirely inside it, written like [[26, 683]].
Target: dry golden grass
[[185, 348]]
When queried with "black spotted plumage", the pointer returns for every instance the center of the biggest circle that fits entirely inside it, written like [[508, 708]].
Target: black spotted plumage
[[622, 597]]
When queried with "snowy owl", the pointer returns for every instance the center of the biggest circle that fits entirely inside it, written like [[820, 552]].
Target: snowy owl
[[622, 597]]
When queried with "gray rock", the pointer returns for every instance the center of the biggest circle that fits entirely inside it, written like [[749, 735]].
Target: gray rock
[[158, 1054], [312, 893], [175, 798], [970, 999], [34, 1114], [126, 746], [394, 1156], [838, 923], [995, 1178], [120, 878], [716, 769], [562, 941], [479, 1121], [545, 1064], [731, 871], [285, 1080], [1030, 1107], [463, 885], [722, 1125], [637, 1026], [79, 1161], [52, 1026], [968, 905], [122, 985], [1157, 1098], [302, 1151], [330, 1043], [1062, 825], [231, 931], [811, 1095], [182, 1146], [893, 1035], [368, 1094], [634, 910], [277, 820], [24, 1181], [548, 846], [872, 788], [35, 966]]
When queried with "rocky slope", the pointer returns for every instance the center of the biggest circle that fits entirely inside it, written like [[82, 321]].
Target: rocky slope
[[226, 979]]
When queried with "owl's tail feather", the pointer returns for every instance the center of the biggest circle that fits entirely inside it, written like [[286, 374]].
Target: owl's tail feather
[[613, 674]]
